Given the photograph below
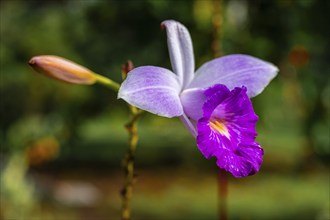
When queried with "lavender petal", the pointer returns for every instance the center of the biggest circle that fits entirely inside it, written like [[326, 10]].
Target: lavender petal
[[153, 89], [181, 51], [235, 71], [192, 101]]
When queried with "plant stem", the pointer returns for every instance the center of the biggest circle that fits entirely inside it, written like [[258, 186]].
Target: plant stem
[[223, 193], [216, 49], [127, 191], [131, 126], [216, 26], [107, 82]]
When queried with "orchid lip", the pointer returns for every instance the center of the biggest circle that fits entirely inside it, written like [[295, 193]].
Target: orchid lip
[[227, 130], [219, 126]]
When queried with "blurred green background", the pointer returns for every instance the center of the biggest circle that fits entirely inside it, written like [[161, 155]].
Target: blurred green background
[[62, 145]]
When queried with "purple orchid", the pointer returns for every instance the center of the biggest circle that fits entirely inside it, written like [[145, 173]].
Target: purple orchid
[[213, 103]]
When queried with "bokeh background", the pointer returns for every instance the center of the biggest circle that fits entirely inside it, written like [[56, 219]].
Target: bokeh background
[[62, 145]]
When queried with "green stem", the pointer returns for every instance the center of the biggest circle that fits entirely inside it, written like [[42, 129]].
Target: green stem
[[107, 82], [127, 191]]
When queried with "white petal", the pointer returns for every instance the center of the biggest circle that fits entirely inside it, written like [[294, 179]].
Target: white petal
[[180, 50]]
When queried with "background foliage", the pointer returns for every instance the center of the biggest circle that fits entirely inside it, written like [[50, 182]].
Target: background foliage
[[62, 145]]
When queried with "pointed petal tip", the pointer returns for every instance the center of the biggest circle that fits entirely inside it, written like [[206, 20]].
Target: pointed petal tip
[[32, 61], [169, 22], [272, 67], [236, 70], [180, 50], [120, 94]]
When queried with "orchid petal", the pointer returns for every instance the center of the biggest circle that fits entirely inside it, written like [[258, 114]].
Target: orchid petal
[[180, 50], [227, 131], [190, 125], [235, 71], [153, 89], [192, 101]]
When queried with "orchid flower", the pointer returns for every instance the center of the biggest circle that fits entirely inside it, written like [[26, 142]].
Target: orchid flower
[[213, 102]]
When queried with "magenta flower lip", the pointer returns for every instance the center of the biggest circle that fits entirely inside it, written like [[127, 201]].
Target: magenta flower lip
[[227, 131], [213, 102]]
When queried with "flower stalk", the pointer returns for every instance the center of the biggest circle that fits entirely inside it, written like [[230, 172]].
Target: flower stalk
[[223, 194], [127, 190], [216, 50], [128, 162], [107, 82]]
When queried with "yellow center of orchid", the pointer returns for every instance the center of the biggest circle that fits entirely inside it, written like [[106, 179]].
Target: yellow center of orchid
[[219, 126]]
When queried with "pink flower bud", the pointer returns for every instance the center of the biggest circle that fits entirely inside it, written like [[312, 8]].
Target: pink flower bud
[[62, 69]]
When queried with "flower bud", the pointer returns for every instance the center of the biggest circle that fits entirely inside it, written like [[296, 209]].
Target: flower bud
[[125, 68], [62, 69]]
